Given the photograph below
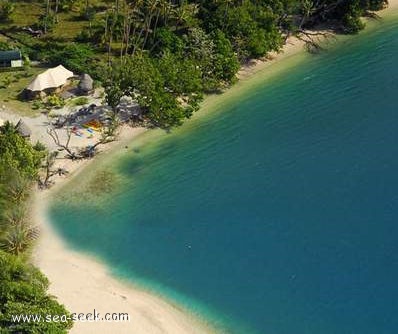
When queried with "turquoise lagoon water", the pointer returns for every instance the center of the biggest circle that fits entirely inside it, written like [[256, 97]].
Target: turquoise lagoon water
[[278, 215]]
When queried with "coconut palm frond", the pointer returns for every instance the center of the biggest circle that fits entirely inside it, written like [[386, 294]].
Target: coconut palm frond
[[18, 239]]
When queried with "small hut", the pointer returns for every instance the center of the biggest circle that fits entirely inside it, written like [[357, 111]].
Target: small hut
[[23, 129], [12, 58], [86, 84]]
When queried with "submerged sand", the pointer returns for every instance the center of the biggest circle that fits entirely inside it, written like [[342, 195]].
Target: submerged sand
[[83, 284]]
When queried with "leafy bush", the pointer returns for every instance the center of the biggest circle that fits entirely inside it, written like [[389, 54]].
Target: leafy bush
[[39, 146], [17, 153], [352, 18], [54, 101], [37, 104], [352, 24]]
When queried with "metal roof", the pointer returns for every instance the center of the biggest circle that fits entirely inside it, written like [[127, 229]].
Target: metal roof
[[10, 55]]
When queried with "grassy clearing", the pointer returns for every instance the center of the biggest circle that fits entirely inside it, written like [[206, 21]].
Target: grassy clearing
[[25, 14], [13, 83], [78, 101]]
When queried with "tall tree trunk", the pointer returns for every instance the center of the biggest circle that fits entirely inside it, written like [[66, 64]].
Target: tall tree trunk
[[86, 8], [56, 10], [147, 31], [46, 16]]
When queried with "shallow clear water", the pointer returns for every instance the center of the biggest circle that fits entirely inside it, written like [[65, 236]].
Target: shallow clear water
[[276, 215]]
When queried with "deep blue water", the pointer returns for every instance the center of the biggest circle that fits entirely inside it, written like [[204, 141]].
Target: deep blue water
[[277, 215]]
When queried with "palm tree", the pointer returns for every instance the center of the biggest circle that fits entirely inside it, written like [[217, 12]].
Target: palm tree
[[17, 234], [152, 6], [17, 188], [47, 15], [307, 8], [185, 14], [18, 239], [86, 8], [15, 216]]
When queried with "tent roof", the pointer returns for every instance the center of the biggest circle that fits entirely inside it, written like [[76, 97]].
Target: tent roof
[[10, 55], [23, 129], [52, 78]]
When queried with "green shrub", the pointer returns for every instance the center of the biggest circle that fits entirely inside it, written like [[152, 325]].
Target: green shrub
[[39, 146], [37, 104], [54, 101], [80, 101]]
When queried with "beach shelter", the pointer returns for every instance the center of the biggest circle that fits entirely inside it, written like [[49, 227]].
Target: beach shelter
[[50, 79], [23, 129], [86, 84]]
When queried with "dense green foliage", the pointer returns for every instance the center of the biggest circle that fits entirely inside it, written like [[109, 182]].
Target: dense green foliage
[[167, 53], [23, 291], [77, 58], [17, 155], [22, 287]]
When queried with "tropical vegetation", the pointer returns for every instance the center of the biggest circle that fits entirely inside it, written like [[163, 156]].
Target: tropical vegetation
[[23, 289], [165, 54], [168, 53]]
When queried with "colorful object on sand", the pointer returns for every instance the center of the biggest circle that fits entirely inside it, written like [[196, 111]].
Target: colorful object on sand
[[93, 124], [76, 132]]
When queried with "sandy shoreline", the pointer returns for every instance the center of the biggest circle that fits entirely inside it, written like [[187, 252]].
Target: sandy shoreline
[[83, 284]]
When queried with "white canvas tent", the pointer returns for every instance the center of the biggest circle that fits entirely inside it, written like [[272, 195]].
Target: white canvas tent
[[52, 78]]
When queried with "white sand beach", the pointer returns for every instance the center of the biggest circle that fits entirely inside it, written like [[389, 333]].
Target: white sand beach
[[83, 284]]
